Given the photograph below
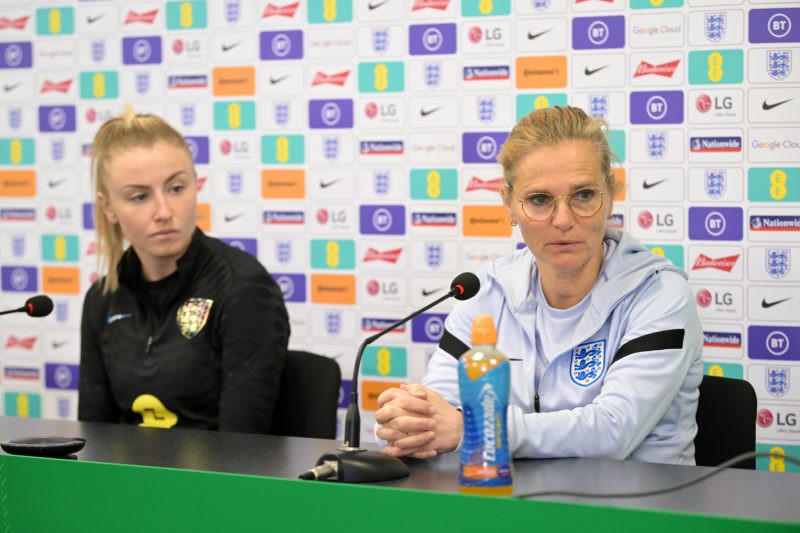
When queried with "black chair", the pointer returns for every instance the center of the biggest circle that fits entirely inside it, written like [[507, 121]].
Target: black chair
[[726, 421], [308, 398]]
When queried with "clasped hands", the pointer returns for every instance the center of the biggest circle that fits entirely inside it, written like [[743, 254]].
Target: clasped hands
[[417, 422]]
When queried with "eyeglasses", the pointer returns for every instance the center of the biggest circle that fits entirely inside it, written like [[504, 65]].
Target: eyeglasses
[[541, 206]]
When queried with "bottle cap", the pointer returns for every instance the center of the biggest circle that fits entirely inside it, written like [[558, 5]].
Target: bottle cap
[[483, 330]]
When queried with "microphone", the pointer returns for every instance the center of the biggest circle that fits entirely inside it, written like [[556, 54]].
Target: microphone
[[39, 305], [350, 463]]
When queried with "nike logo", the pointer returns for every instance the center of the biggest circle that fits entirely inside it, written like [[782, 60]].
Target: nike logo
[[231, 218], [426, 292], [376, 5], [113, 318], [589, 71], [532, 36], [58, 344], [426, 112], [226, 47], [326, 184], [650, 184], [92, 20], [766, 305], [8, 88], [273, 80], [55, 183], [766, 107]]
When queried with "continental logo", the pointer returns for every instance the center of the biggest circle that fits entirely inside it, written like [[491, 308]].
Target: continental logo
[[486, 221], [234, 81], [333, 289], [61, 280], [542, 72], [283, 184], [370, 390], [203, 217], [17, 183]]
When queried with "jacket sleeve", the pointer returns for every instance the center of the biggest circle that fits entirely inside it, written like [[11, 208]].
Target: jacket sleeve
[[254, 332], [95, 399], [649, 384]]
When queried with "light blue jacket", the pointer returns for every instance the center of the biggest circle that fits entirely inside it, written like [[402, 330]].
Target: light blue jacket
[[641, 407]]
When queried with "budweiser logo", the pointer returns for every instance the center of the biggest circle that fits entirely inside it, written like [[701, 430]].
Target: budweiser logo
[[723, 263], [16, 24], [56, 86], [390, 256], [476, 184], [280, 11], [664, 69], [147, 17], [15, 342], [320, 78], [430, 4]]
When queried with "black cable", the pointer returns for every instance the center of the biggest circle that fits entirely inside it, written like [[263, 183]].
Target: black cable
[[717, 469]]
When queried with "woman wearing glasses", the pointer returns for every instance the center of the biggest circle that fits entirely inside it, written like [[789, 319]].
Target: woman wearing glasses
[[603, 335]]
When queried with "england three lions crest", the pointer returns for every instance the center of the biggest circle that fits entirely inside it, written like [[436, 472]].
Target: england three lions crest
[[588, 362], [192, 316]]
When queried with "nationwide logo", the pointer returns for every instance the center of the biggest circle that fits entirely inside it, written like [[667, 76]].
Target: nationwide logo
[[272, 10], [23, 373], [145, 18], [433, 219], [55, 86], [725, 264], [380, 324], [283, 217], [715, 144], [719, 339], [390, 256], [766, 107], [339, 79], [25, 343], [381, 148], [18, 214], [193, 81], [13, 24], [477, 184], [665, 69], [774, 223], [441, 5], [488, 73]]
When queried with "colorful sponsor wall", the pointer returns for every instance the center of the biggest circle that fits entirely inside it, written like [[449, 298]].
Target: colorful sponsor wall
[[350, 146]]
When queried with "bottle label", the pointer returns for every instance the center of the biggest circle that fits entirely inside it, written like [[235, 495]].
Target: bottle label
[[485, 458]]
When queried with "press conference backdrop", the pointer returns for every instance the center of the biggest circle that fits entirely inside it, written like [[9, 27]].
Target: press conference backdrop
[[350, 146]]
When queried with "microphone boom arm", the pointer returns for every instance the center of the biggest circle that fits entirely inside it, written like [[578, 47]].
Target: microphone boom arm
[[352, 423]]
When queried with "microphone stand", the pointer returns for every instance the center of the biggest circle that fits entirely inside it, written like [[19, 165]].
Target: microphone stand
[[350, 463]]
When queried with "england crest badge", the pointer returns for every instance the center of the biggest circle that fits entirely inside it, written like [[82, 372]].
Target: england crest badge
[[192, 316], [588, 362]]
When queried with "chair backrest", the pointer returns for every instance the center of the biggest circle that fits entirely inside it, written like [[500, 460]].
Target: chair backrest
[[726, 421], [308, 398]]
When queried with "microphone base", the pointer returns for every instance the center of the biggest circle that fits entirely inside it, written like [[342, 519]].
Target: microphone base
[[356, 465]]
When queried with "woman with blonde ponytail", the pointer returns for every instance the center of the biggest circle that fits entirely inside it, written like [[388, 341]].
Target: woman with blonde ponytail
[[181, 329]]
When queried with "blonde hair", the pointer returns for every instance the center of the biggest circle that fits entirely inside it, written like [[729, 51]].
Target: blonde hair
[[119, 134], [549, 126]]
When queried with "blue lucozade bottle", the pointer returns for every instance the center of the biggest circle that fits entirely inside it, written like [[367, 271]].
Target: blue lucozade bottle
[[483, 376]]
